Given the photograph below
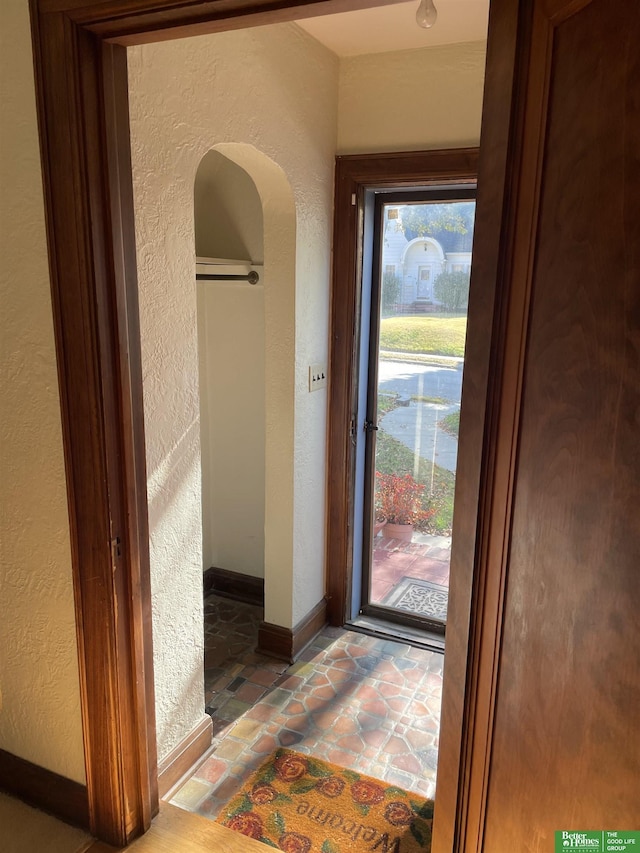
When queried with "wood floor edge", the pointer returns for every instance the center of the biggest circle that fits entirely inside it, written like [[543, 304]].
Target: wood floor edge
[[48, 791], [177, 831]]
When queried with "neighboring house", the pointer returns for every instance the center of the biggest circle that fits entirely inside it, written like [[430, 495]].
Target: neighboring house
[[417, 260]]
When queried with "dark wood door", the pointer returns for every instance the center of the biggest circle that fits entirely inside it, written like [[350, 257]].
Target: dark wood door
[[562, 549]]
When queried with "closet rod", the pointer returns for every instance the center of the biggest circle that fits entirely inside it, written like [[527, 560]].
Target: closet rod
[[252, 277]]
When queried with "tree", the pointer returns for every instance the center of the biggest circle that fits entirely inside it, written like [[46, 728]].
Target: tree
[[452, 290], [390, 292], [429, 220]]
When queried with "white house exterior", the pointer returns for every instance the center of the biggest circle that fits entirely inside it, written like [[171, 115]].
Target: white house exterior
[[418, 262]]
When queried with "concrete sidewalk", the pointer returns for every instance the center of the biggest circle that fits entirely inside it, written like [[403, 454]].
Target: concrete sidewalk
[[416, 426], [453, 362]]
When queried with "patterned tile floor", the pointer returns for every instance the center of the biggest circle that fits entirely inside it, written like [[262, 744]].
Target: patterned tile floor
[[358, 701]]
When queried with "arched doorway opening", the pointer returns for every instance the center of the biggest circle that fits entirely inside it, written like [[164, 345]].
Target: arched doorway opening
[[256, 216]]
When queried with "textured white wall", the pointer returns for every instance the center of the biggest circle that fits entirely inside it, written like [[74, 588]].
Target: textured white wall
[[411, 100], [266, 98], [40, 695]]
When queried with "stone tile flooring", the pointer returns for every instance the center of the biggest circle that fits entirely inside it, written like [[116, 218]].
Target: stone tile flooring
[[360, 702]]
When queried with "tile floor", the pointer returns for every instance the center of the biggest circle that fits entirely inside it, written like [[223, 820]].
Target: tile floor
[[357, 701]]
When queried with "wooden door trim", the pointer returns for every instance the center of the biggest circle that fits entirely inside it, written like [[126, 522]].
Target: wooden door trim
[[83, 119], [130, 22], [472, 657]]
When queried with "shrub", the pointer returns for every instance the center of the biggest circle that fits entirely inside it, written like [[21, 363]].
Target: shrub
[[452, 290], [390, 292], [399, 499]]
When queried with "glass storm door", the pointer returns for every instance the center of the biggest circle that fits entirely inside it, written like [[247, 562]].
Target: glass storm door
[[415, 335]]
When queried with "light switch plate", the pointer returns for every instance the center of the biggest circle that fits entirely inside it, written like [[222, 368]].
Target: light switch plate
[[317, 376]]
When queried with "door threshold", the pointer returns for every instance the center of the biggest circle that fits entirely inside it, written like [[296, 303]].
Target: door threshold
[[376, 627]]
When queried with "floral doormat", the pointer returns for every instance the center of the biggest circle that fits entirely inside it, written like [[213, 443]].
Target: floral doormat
[[302, 805]]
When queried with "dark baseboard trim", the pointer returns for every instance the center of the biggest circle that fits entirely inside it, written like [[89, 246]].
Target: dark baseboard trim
[[286, 644], [61, 797], [308, 627], [187, 753], [275, 641], [233, 585]]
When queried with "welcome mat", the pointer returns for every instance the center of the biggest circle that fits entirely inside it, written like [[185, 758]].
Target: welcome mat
[[423, 598], [300, 804]]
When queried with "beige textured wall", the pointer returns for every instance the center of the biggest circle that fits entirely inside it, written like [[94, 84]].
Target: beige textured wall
[[232, 428], [266, 98], [411, 100], [40, 715]]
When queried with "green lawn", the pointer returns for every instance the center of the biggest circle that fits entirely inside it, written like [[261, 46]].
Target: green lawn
[[387, 402], [451, 423], [392, 457], [436, 335]]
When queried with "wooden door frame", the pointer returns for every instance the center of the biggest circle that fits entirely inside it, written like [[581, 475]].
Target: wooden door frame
[[355, 174], [81, 91]]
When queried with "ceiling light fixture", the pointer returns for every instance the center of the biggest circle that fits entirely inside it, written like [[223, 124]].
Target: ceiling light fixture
[[427, 14]]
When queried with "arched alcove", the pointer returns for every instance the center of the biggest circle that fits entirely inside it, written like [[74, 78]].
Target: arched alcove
[[228, 223], [228, 218], [244, 210]]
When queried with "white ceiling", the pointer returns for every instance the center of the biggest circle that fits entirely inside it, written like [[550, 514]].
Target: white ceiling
[[394, 27]]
